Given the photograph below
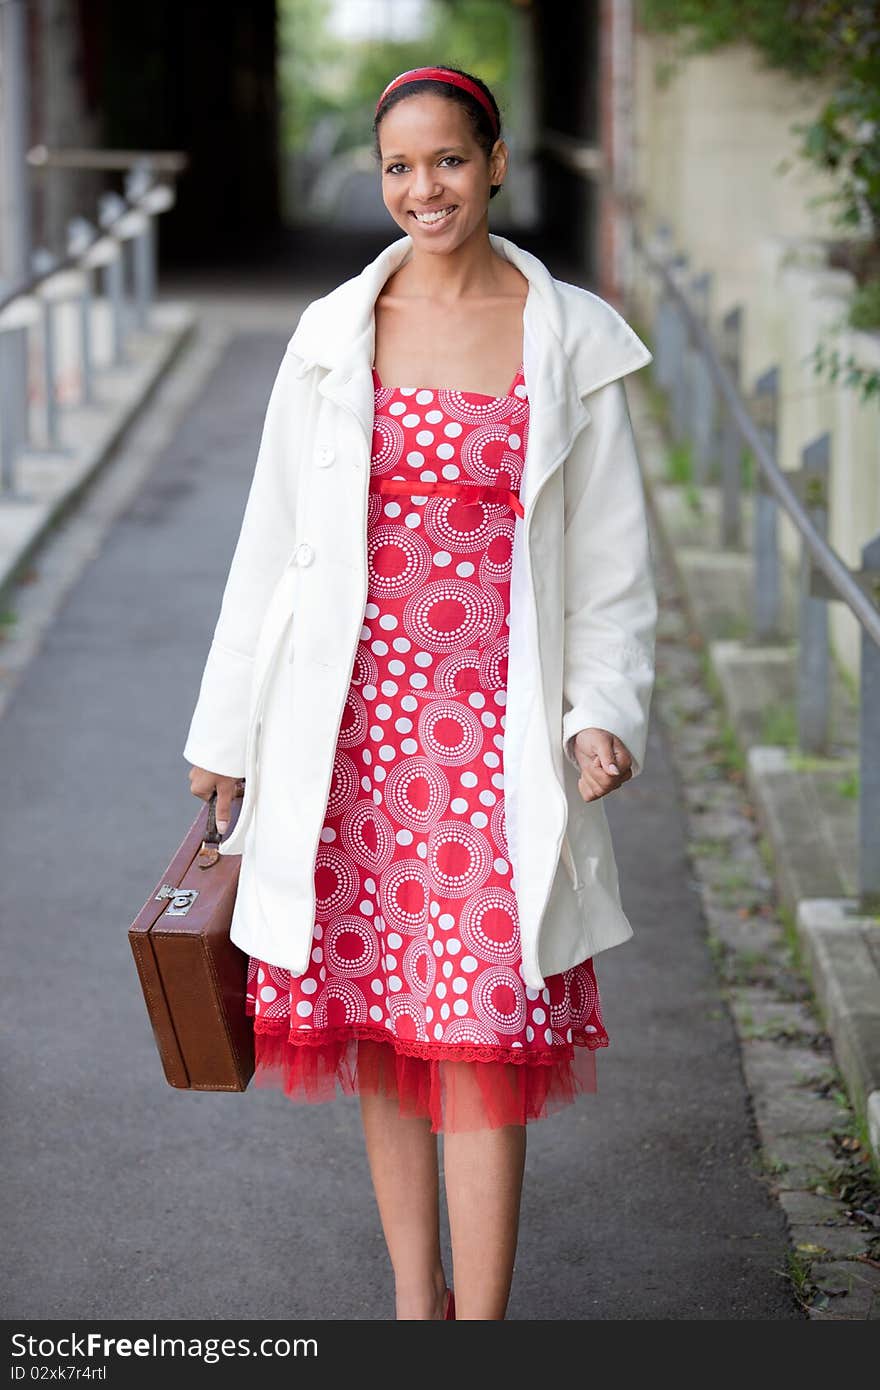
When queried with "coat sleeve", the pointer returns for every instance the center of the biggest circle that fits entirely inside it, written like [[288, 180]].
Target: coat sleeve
[[610, 594], [217, 738]]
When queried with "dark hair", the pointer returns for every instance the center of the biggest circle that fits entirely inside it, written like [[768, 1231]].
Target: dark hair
[[479, 118]]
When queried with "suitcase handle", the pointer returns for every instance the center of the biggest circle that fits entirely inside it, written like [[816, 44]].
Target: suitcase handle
[[209, 853]]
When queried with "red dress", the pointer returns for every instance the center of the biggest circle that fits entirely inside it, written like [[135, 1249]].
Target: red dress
[[415, 982]]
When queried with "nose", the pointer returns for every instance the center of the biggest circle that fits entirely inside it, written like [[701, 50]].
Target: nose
[[425, 185]]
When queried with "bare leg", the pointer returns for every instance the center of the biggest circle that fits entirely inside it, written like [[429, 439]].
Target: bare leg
[[483, 1170], [402, 1153]]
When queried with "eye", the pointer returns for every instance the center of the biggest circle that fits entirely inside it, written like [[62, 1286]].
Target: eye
[[458, 160]]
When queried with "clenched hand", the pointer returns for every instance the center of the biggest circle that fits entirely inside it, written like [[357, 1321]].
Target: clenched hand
[[604, 761], [203, 785]]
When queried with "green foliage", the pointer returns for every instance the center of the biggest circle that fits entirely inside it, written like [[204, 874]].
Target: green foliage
[[779, 726], [830, 39], [837, 41], [828, 361], [770, 25], [748, 468], [848, 787], [679, 465], [324, 76], [864, 311]]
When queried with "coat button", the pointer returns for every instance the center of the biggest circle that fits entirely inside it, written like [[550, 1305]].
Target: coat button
[[326, 455], [304, 554]]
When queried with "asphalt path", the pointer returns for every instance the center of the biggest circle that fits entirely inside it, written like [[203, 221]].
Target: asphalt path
[[125, 1198]]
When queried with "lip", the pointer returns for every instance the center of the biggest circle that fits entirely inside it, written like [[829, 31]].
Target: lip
[[432, 226]]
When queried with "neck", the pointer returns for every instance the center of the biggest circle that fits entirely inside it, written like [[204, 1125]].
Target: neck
[[470, 270]]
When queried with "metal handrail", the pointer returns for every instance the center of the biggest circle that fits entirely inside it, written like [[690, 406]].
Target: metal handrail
[[71, 157], [35, 300], [827, 559], [130, 202], [698, 376]]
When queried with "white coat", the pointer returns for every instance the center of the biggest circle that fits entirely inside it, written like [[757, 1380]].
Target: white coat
[[581, 633]]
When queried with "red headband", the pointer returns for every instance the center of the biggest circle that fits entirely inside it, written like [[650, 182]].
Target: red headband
[[442, 75]]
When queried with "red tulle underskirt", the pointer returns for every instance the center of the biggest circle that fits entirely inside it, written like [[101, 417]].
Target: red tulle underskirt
[[464, 1091]]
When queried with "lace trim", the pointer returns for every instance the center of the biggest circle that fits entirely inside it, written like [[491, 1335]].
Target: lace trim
[[436, 1052]]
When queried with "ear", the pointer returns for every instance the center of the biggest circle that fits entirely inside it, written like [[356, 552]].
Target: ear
[[498, 160]]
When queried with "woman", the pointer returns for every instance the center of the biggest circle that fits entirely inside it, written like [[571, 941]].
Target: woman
[[434, 657]]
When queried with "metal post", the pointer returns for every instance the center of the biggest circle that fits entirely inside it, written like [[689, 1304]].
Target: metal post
[[43, 261], [767, 587], [151, 259], [8, 441], [79, 235], [665, 373], [678, 352], [111, 206], [663, 316], [141, 255], [730, 444], [113, 288], [869, 746], [814, 683], [15, 207], [137, 181], [702, 403], [53, 438], [86, 364]]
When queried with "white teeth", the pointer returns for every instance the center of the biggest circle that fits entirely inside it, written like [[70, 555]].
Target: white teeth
[[432, 216]]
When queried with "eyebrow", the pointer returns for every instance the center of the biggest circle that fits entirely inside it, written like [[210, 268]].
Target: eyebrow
[[447, 149]]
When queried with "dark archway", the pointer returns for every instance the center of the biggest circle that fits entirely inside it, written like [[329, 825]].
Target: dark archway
[[200, 78]]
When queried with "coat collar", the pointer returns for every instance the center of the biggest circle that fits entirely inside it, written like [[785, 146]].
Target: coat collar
[[573, 343]]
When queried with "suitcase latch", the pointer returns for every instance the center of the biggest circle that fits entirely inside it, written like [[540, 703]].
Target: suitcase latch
[[182, 899]]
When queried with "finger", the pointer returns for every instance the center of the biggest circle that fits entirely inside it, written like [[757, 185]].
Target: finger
[[604, 752], [622, 758], [604, 780], [589, 787], [224, 806]]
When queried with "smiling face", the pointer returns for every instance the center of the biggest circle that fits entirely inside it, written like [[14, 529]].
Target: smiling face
[[431, 163]]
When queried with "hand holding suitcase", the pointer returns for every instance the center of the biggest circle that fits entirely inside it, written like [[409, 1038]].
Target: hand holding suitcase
[[193, 977]]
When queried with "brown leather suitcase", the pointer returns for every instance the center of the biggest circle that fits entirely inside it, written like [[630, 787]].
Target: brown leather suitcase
[[192, 975]]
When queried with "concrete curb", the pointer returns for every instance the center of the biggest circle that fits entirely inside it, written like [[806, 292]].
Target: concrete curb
[[55, 482], [843, 948]]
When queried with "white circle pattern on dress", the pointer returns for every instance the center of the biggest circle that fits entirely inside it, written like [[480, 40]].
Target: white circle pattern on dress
[[499, 999], [349, 999], [405, 1009], [490, 926], [344, 784], [458, 525], [337, 881], [404, 895], [416, 792], [471, 409], [459, 859], [406, 561], [388, 442], [420, 967], [496, 563], [354, 717], [416, 936], [486, 460], [449, 732], [351, 947], [367, 836]]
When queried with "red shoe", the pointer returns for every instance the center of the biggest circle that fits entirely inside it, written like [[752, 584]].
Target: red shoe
[[449, 1311]]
